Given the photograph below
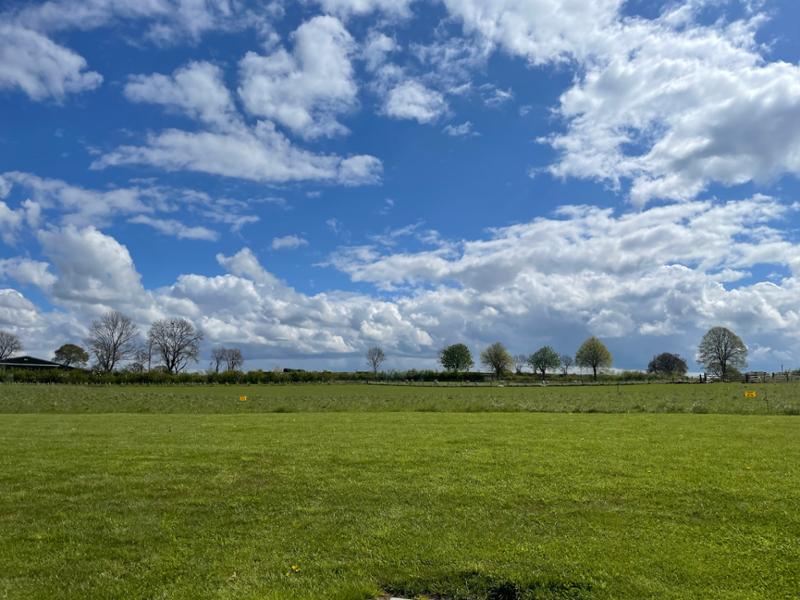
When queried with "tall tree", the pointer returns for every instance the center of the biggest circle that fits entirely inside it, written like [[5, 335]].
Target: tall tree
[[566, 362], [720, 350], [9, 344], [375, 358], [218, 355], [520, 360], [234, 360], [176, 342], [593, 354], [456, 357], [544, 359], [112, 340], [71, 355], [668, 364], [497, 358]]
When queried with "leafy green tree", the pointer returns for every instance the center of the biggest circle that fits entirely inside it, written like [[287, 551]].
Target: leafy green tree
[[720, 349], [593, 354], [456, 357], [667, 364], [544, 359], [71, 355], [497, 358]]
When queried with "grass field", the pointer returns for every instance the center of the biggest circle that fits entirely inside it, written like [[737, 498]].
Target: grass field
[[395, 499], [658, 398]]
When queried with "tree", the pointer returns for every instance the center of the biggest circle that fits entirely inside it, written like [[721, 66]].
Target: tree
[[9, 344], [229, 358], [566, 362], [594, 354], [520, 360], [456, 357], [543, 359], [176, 342], [497, 358], [721, 349], [668, 364], [112, 339], [71, 355], [375, 358]]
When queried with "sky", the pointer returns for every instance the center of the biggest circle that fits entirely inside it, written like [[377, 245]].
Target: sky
[[304, 180]]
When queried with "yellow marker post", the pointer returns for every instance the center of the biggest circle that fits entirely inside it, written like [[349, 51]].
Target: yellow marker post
[[751, 394], [242, 398]]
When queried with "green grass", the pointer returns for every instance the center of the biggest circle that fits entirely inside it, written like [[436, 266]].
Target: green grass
[[658, 398], [462, 506]]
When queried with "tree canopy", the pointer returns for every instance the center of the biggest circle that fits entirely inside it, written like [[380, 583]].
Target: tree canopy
[[667, 364], [375, 358], [176, 342], [593, 354], [71, 355], [112, 339], [497, 358], [720, 349], [456, 357], [544, 359]]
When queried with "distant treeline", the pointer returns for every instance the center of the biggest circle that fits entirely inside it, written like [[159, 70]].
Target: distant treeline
[[299, 376]]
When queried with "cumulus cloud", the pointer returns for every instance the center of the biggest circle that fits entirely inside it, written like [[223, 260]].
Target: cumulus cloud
[[288, 242], [196, 89], [646, 282], [41, 68], [667, 104], [305, 90], [263, 154], [410, 99], [229, 146]]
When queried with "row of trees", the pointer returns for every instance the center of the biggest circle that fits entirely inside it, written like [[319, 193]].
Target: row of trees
[[114, 339], [592, 354], [721, 351]]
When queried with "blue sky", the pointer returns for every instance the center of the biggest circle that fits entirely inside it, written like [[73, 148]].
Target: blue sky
[[307, 179]]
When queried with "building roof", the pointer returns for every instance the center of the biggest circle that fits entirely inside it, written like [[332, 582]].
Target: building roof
[[29, 362]]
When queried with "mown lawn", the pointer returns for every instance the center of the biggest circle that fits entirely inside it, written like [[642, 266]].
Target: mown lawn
[[657, 398], [456, 505]]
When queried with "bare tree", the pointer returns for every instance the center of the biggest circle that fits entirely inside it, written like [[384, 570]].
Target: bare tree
[[230, 358], [234, 359], [112, 339], [375, 358], [520, 360], [9, 344], [218, 358], [176, 341], [566, 362]]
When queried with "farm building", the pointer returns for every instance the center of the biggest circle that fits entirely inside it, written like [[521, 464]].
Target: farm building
[[30, 363]]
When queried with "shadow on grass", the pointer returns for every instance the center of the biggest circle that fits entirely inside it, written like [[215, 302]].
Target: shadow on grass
[[474, 585]]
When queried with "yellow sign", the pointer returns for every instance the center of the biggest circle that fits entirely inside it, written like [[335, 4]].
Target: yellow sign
[[242, 398], [751, 394]]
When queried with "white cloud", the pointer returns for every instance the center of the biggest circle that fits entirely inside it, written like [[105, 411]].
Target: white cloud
[[176, 229], [288, 242], [197, 89], [27, 272], [667, 104], [410, 99], [462, 130], [346, 8], [305, 90], [263, 154], [93, 268], [40, 67]]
